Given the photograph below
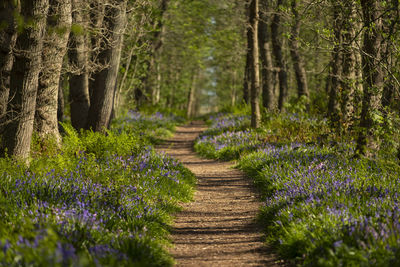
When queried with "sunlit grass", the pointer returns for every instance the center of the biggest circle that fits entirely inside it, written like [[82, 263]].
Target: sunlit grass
[[97, 200]]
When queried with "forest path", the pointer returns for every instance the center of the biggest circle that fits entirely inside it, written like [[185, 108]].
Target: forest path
[[218, 228]]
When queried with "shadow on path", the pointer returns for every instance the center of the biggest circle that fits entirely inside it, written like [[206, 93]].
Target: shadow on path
[[218, 228]]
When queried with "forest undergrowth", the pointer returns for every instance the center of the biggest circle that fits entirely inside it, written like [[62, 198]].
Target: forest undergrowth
[[321, 205], [98, 200]]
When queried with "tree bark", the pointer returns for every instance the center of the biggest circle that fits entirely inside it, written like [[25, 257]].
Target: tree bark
[[158, 47], [373, 78], [191, 97], [54, 48], [266, 58], [298, 63], [104, 81], [247, 76], [60, 103], [255, 72], [233, 89], [349, 66], [24, 80], [277, 44], [8, 37], [79, 76], [336, 68]]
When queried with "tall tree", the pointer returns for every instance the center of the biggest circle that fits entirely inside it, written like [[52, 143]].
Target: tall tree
[[277, 46], [336, 66], [254, 59], [8, 36], [24, 79], [372, 75], [266, 57], [79, 73], [247, 68], [191, 97], [55, 46], [348, 81], [298, 63], [104, 82]]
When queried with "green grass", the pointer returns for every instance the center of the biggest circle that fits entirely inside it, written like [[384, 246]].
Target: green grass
[[96, 200], [322, 206]]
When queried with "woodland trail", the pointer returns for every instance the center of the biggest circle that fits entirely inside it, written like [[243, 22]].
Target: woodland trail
[[218, 228]]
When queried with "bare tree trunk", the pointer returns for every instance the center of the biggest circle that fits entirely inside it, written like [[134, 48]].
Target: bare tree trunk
[[389, 54], [60, 103], [24, 80], [8, 37], [349, 65], [233, 89], [104, 81], [97, 42], [150, 80], [336, 68], [298, 63], [277, 44], [266, 58], [255, 72], [54, 48], [191, 97], [373, 78], [158, 53], [79, 77], [247, 71]]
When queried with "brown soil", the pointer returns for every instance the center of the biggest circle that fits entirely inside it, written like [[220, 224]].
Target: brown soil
[[218, 228]]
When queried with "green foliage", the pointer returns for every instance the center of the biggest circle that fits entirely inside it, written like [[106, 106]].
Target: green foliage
[[322, 206], [95, 200]]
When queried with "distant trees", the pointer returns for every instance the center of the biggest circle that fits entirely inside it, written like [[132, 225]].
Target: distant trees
[[351, 42]]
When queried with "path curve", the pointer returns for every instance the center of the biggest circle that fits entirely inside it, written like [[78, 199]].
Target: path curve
[[218, 228]]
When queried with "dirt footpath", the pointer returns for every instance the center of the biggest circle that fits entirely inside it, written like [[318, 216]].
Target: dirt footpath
[[218, 228]]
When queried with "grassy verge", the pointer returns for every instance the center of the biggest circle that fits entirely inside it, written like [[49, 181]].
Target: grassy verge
[[321, 206], [96, 200]]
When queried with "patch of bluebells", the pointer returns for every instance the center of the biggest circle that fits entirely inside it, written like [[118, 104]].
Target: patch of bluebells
[[223, 122], [228, 145], [110, 211], [321, 207]]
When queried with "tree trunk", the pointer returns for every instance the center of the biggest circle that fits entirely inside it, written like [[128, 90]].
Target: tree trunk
[[336, 68], [79, 77], [104, 81], [150, 81], [54, 48], [24, 80], [60, 103], [97, 41], [298, 63], [233, 89], [191, 97], [254, 59], [247, 76], [349, 66], [8, 36], [266, 58], [389, 89], [277, 44], [373, 78]]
